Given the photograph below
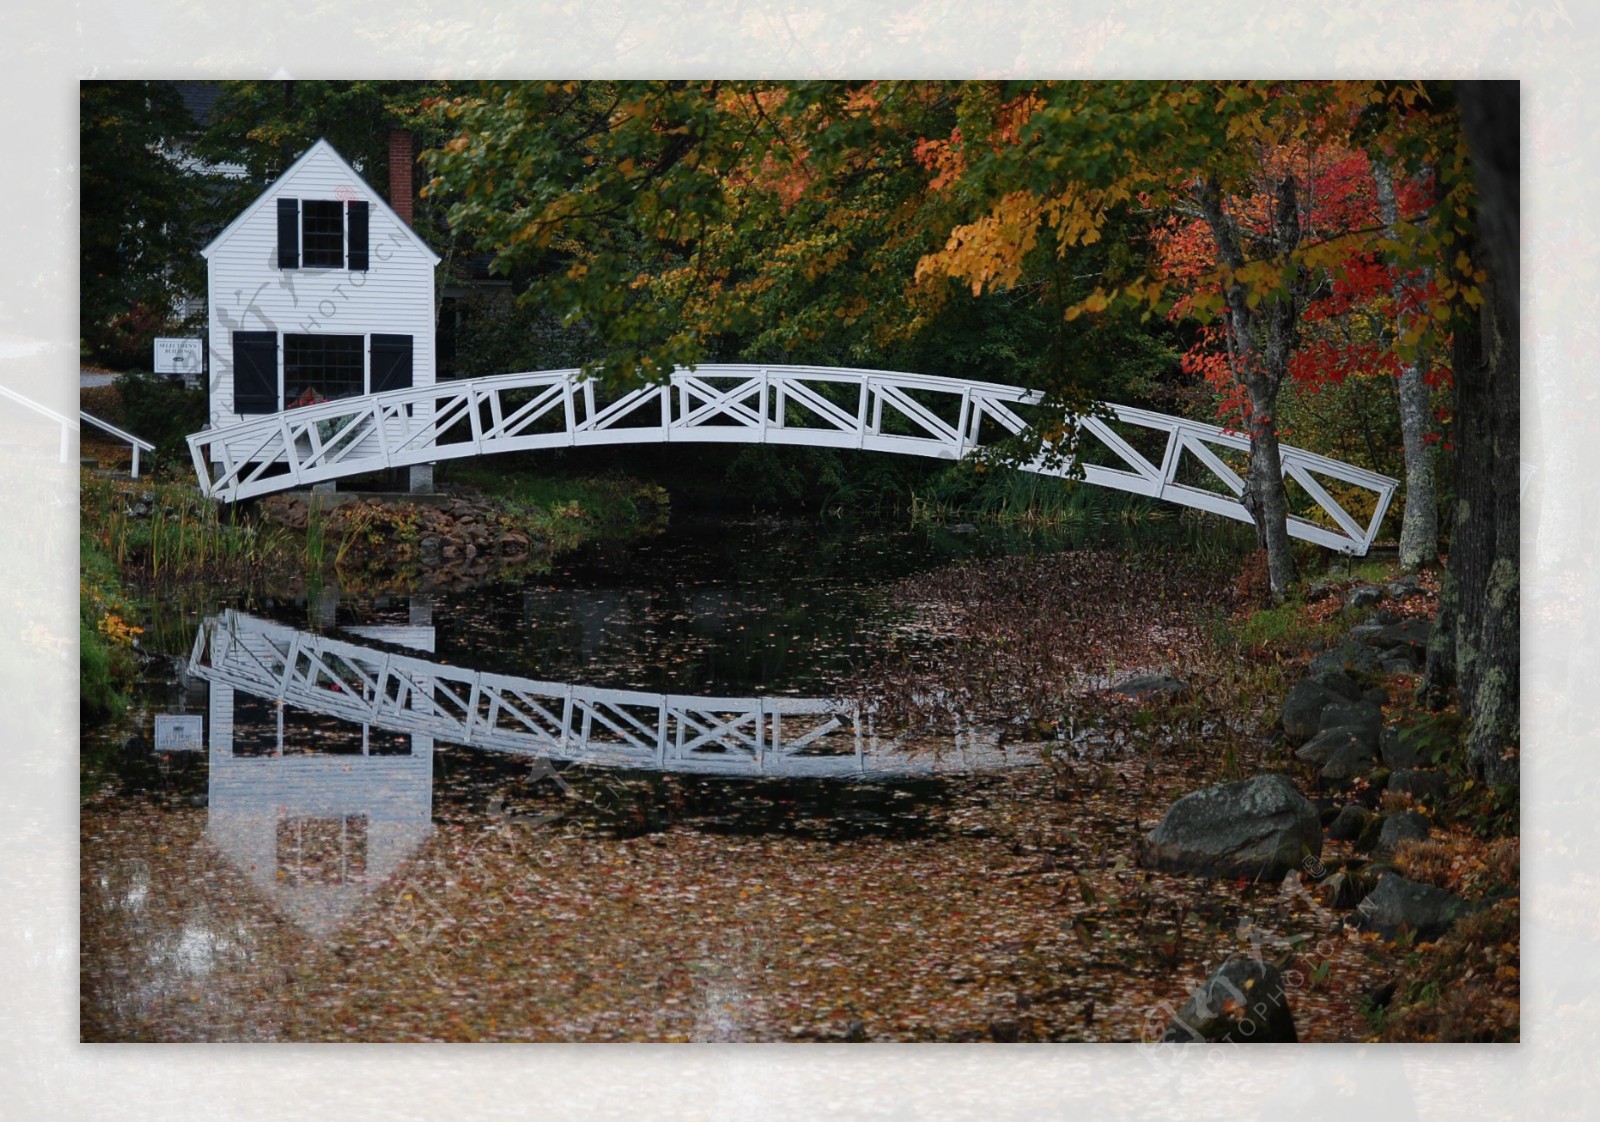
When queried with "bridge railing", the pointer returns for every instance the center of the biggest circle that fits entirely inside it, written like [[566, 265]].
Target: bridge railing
[[1129, 449]]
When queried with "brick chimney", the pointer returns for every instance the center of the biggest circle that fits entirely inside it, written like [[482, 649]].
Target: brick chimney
[[402, 160]]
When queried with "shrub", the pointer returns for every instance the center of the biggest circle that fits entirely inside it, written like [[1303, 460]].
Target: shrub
[[106, 666], [162, 411]]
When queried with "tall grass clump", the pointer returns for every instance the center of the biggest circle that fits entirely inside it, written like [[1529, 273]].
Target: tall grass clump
[[1012, 497], [162, 531]]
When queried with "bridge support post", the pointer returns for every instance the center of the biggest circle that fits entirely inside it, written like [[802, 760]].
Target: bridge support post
[[421, 479], [325, 605], [421, 609]]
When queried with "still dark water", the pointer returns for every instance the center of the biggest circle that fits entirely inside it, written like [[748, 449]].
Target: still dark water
[[629, 799]]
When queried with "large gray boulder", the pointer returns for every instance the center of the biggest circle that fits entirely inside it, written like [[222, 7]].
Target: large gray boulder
[[1401, 660], [1346, 764], [1399, 753], [1351, 823], [1351, 655], [1398, 903], [1256, 828], [1302, 709], [1340, 683], [1363, 596], [1402, 826], [1244, 1000], [1412, 633], [1348, 888], [1403, 587], [1365, 714], [1321, 748]]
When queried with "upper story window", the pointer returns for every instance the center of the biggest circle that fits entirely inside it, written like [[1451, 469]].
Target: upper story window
[[322, 234]]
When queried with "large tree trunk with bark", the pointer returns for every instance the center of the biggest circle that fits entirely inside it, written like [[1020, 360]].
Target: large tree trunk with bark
[[1475, 645], [1419, 527], [1476, 636]]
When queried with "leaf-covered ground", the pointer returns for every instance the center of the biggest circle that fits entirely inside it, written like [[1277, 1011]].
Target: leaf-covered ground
[[1017, 915]]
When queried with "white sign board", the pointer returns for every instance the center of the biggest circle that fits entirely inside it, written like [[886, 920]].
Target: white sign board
[[177, 356], [179, 733]]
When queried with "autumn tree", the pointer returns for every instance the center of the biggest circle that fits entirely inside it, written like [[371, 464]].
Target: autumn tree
[[1356, 337], [1221, 154], [678, 221], [598, 196], [264, 126]]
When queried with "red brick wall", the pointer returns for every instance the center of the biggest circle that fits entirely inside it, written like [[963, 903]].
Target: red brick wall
[[402, 161]]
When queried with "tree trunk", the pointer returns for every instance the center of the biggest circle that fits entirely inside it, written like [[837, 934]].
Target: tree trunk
[[1495, 702], [1261, 339], [1419, 527], [1264, 492], [1477, 632]]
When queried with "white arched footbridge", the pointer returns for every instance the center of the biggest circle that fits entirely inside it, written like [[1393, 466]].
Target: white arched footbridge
[[1133, 450], [767, 736]]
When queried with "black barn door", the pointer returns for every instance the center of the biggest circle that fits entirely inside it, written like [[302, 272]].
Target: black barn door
[[255, 372], [391, 363]]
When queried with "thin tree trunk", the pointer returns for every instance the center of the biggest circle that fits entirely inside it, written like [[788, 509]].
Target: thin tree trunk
[[1265, 494], [1419, 527], [1262, 340]]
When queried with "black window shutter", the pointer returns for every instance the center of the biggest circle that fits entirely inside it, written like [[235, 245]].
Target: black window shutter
[[255, 372], [391, 363], [288, 233], [358, 234]]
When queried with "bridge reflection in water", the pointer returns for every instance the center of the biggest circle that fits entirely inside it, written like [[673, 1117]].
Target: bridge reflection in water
[[379, 689], [316, 813]]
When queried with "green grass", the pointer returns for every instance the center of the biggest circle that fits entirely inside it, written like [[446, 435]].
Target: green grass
[[1272, 627], [565, 510], [1009, 496]]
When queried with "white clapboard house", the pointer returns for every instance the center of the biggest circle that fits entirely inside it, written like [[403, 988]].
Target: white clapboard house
[[319, 290]]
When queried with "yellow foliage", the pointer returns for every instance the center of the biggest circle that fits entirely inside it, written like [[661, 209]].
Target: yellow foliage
[[988, 253], [118, 630]]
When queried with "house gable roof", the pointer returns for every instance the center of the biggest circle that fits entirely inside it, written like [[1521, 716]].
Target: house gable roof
[[376, 197]]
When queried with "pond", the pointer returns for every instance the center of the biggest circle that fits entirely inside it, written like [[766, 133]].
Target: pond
[[643, 796]]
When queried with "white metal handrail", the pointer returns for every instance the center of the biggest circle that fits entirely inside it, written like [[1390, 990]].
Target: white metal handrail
[[766, 736], [68, 425], [885, 411], [134, 442]]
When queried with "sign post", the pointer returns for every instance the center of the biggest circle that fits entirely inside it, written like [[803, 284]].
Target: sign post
[[179, 733], [178, 356]]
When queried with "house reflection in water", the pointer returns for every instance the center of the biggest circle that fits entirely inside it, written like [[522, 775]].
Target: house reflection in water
[[315, 810]]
